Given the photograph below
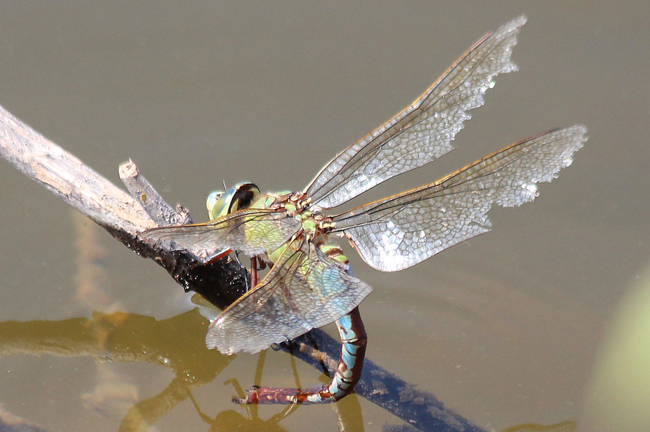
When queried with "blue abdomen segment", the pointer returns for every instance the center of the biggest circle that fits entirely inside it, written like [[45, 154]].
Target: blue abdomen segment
[[353, 352], [346, 377]]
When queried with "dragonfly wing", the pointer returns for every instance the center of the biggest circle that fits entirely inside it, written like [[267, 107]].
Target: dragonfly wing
[[251, 231], [402, 230], [304, 289], [424, 130]]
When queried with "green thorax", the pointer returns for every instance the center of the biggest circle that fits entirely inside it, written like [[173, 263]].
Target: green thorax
[[247, 195]]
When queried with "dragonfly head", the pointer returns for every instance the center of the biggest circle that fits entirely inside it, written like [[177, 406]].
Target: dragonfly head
[[240, 196]]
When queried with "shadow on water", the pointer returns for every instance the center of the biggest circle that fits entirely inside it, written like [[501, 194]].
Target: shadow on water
[[128, 337]]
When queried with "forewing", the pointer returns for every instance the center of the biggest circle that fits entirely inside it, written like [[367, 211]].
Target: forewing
[[402, 230], [305, 289], [250, 231], [424, 130]]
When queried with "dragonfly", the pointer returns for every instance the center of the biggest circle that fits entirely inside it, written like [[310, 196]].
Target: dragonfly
[[309, 283]]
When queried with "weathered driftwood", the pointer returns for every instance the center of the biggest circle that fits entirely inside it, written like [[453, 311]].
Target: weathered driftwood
[[124, 216]]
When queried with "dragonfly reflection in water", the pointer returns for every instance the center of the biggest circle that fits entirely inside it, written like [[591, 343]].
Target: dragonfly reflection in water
[[309, 284]]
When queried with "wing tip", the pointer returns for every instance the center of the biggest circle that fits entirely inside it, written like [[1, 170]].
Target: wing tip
[[577, 134], [580, 130], [511, 28], [519, 21]]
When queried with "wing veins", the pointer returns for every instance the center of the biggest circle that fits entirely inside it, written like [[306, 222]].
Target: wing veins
[[414, 225], [459, 90], [315, 290]]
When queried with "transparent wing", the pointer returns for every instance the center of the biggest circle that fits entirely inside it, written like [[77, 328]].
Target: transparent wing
[[250, 231], [402, 230], [424, 130], [305, 289]]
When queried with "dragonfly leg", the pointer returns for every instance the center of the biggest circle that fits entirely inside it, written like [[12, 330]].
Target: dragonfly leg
[[253, 273], [347, 375]]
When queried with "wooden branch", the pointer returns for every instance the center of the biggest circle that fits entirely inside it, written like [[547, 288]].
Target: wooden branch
[[221, 283], [68, 178], [122, 215]]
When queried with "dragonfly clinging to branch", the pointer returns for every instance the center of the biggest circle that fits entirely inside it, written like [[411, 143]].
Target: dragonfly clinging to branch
[[309, 284]]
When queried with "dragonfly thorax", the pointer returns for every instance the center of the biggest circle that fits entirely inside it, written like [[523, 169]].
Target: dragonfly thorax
[[296, 205], [314, 225]]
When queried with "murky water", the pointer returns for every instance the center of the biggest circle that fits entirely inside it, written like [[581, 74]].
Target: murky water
[[536, 322]]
